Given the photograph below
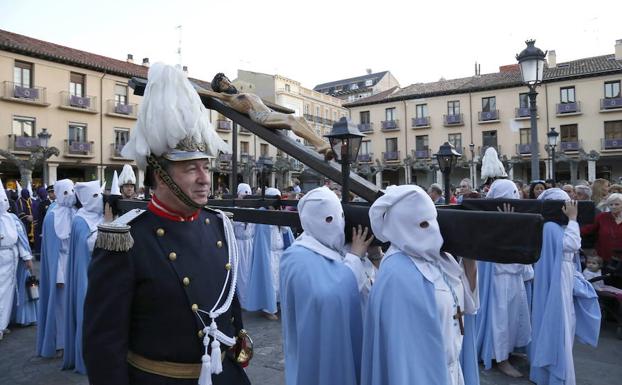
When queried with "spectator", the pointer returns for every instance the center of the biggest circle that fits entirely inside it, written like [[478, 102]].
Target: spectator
[[615, 188], [600, 190], [569, 189], [464, 188], [549, 183], [583, 192], [436, 193], [607, 228], [536, 188]]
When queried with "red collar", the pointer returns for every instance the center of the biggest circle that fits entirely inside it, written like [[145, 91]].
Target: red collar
[[160, 209]]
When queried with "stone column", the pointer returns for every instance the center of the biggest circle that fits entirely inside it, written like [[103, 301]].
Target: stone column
[[379, 179], [439, 178], [547, 165], [591, 170], [52, 173], [511, 173], [272, 179], [101, 173], [573, 164]]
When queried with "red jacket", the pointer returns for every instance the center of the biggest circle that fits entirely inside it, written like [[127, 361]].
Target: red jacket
[[608, 234]]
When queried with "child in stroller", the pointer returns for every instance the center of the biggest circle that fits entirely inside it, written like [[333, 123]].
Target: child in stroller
[[610, 297]]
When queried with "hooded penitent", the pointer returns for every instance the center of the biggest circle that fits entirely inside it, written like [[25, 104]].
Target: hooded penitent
[[322, 218], [244, 189], [503, 189]]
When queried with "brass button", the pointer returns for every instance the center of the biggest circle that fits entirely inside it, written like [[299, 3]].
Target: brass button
[[172, 256], [186, 281], [195, 307], [207, 221], [201, 334], [228, 266], [219, 244], [160, 232]]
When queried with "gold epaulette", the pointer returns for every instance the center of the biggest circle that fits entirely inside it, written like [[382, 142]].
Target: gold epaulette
[[115, 235]]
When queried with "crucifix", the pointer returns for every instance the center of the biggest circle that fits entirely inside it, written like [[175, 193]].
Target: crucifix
[[458, 316]]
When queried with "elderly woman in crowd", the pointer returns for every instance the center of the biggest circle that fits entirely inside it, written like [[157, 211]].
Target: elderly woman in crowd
[[607, 228]]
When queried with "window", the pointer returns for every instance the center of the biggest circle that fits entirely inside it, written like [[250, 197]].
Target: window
[[24, 126], [569, 133], [317, 111], [77, 132], [613, 129], [453, 107], [121, 137], [489, 138], [525, 136], [263, 149], [390, 114], [391, 144], [365, 117], [612, 89], [421, 143], [287, 88], [120, 94], [567, 95], [369, 82], [306, 109], [76, 84], [456, 141], [22, 74], [365, 147], [523, 100], [422, 110], [243, 147], [489, 104], [354, 86]]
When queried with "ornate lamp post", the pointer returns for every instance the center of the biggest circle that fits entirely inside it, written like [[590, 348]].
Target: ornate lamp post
[[551, 138], [345, 140], [44, 138], [446, 158], [531, 62]]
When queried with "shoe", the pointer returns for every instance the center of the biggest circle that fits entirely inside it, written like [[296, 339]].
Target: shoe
[[506, 368], [269, 316]]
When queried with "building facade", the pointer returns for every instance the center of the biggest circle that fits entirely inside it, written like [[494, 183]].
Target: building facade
[[360, 87], [581, 99]]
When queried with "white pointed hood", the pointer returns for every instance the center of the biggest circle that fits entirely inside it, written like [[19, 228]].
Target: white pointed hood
[[90, 196], [8, 227], [127, 176], [65, 207], [114, 188]]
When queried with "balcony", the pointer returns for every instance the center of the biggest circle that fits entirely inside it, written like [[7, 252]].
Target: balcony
[[35, 95], [223, 125], [76, 103], [422, 154], [611, 144], [390, 125], [453, 120], [115, 151], [365, 158], [127, 111], [246, 158], [491, 116], [366, 127], [76, 149], [423, 122], [391, 156], [244, 131], [573, 108], [609, 104], [523, 148], [309, 117], [20, 143], [570, 145]]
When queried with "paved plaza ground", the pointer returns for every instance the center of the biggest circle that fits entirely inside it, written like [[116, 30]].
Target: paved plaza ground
[[20, 366]]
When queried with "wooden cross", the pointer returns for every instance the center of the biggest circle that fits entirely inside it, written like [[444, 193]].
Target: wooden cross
[[458, 316]]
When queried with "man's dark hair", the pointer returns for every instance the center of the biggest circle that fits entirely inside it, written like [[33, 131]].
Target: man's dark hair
[[217, 87]]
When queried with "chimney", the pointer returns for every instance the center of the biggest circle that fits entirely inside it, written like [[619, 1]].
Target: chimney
[[185, 69], [619, 49], [146, 61], [368, 71], [552, 59], [130, 58]]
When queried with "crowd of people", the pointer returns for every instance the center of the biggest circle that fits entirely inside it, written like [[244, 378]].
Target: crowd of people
[[156, 296]]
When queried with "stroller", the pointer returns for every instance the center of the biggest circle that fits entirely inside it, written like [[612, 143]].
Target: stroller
[[611, 300]]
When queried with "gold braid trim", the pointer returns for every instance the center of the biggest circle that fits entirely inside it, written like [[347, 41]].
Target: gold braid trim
[[157, 167]]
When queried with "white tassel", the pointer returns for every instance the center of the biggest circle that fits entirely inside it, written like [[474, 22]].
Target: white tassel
[[206, 371], [216, 362]]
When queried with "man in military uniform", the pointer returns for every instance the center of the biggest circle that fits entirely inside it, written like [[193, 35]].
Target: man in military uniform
[[160, 307]]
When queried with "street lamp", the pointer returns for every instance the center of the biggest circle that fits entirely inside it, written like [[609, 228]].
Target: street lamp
[[446, 158], [264, 164], [345, 140], [44, 138], [531, 62], [551, 138], [473, 167]]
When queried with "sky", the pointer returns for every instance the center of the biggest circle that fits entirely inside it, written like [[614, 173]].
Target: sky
[[318, 41]]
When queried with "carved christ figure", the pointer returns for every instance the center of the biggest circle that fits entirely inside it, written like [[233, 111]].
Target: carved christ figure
[[258, 112]]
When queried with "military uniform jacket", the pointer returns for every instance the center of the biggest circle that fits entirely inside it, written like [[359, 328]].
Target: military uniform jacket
[[141, 300]]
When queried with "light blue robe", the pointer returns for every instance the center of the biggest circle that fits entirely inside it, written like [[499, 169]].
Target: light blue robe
[[548, 350], [75, 292], [261, 286], [24, 310], [402, 339], [51, 298], [322, 320]]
